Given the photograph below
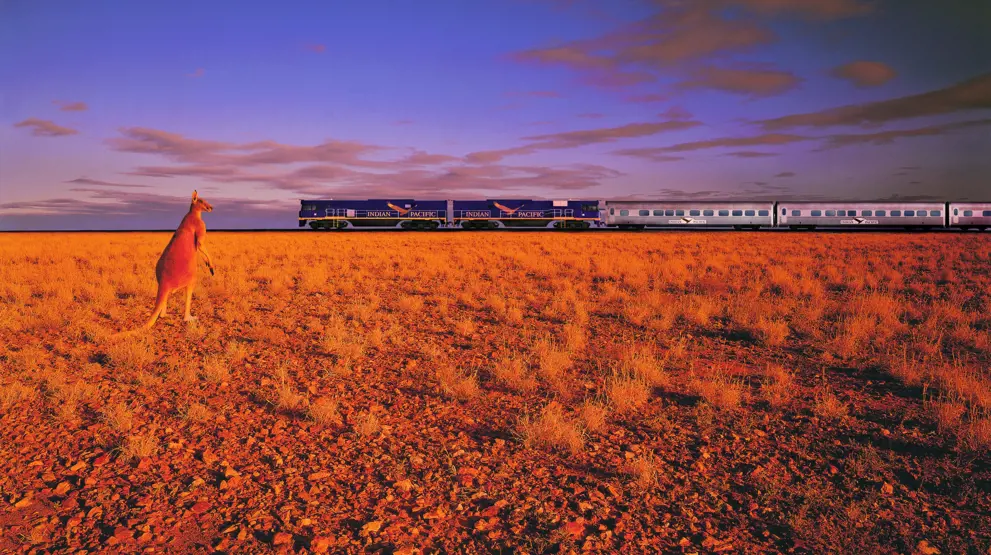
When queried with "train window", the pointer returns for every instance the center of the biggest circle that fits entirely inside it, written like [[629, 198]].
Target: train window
[[645, 212], [750, 213], [920, 213], [624, 212], [896, 213], [866, 213], [956, 211], [968, 213], [658, 212], [851, 212], [763, 213], [612, 211], [679, 212], [738, 212], [707, 212], [796, 212], [693, 213], [784, 211], [590, 208], [669, 212], [724, 212], [880, 213], [817, 212], [935, 212], [987, 212], [841, 212], [830, 212], [910, 212]]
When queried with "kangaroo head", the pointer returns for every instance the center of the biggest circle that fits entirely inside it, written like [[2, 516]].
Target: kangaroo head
[[199, 204]]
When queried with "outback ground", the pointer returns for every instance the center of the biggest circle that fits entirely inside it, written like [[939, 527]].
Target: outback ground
[[528, 392]]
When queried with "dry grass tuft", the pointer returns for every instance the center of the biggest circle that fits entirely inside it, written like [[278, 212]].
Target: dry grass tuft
[[139, 446], [511, 370], [119, 417], [456, 383], [14, 393], [828, 406], [552, 430], [196, 412], [367, 424], [718, 390], [594, 416], [325, 411], [627, 393], [644, 470], [215, 369], [778, 387]]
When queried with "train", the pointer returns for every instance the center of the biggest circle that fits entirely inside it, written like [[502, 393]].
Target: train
[[571, 214]]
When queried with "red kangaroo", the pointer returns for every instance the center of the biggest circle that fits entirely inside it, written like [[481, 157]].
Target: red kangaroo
[[176, 267]]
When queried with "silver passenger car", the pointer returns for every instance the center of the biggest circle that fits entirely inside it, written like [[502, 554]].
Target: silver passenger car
[[970, 215], [626, 214], [861, 214]]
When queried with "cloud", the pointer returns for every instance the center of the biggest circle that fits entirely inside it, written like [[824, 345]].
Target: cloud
[[972, 94], [535, 94], [888, 137], [770, 139], [865, 74], [682, 35], [316, 47], [45, 128], [651, 154], [750, 154], [574, 139], [340, 167], [200, 72], [647, 98], [785, 174], [96, 182], [754, 81], [823, 10], [71, 106]]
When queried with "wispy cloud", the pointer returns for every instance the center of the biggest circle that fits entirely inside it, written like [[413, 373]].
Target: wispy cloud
[[865, 74], [585, 137], [972, 94], [754, 81], [200, 72], [785, 174], [45, 128], [316, 47], [98, 183], [71, 106]]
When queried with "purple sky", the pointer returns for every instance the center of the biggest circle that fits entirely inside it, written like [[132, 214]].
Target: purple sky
[[112, 112]]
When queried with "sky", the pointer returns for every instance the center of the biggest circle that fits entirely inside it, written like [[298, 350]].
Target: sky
[[113, 112]]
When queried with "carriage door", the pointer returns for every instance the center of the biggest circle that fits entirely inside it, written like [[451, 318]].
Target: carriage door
[[956, 215], [784, 216]]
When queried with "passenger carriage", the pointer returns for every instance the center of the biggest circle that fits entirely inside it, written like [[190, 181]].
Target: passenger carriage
[[970, 215], [688, 214], [812, 215]]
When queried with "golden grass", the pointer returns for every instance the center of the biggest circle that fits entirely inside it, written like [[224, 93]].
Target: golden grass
[[552, 429]]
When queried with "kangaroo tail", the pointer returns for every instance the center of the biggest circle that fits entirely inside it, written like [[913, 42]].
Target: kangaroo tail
[[163, 295]]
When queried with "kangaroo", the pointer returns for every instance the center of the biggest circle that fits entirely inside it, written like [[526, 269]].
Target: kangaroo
[[176, 267]]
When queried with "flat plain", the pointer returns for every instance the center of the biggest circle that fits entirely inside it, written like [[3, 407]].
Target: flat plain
[[500, 392]]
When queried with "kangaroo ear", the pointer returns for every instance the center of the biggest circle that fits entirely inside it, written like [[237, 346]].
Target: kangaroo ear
[[195, 195]]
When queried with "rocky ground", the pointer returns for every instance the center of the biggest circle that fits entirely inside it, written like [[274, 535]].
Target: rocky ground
[[500, 392]]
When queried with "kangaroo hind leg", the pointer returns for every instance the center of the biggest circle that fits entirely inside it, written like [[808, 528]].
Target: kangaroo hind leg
[[189, 301], [160, 301]]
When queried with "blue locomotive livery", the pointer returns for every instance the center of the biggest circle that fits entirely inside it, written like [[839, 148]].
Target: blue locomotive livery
[[641, 214], [399, 213], [500, 213]]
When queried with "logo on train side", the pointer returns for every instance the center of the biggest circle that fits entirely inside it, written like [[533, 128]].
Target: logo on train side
[[402, 211], [686, 220], [857, 221], [507, 209]]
